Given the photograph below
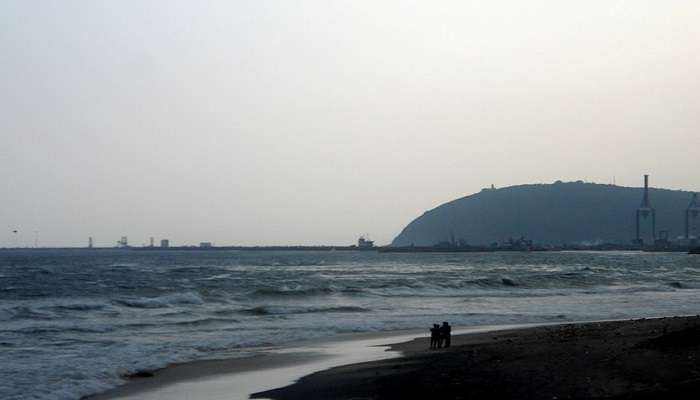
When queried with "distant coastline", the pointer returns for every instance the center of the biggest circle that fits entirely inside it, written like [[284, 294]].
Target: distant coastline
[[382, 249]]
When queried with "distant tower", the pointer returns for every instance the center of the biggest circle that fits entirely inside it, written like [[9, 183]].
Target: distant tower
[[645, 210], [152, 242], [90, 242], [692, 212]]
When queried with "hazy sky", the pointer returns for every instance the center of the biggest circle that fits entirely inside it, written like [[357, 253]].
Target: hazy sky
[[309, 122]]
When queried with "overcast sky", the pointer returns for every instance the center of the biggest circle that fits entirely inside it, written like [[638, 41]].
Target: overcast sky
[[312, 122]]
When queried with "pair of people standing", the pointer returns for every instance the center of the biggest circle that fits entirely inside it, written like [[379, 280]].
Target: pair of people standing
[[440, 336]]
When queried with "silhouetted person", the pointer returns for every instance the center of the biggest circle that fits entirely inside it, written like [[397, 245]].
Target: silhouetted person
[[434, 336], [445, 334]]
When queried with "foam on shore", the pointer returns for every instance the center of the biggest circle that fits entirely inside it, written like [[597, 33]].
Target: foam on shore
[[237, 379]]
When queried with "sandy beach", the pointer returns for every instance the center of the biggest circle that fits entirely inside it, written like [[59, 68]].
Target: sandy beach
[[644, 358], [636, 359]]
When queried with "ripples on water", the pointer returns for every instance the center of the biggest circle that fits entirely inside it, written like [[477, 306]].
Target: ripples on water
[[73, 322]]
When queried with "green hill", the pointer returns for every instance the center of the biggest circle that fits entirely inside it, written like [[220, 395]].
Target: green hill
[[574, 212]]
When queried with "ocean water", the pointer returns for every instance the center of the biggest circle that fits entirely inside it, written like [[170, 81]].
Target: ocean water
[[73, 322]]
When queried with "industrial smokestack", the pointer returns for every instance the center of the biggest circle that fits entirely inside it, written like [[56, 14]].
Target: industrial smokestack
[[645, 210], [646, 191]]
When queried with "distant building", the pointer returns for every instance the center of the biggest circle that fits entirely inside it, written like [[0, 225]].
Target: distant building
[[123, 242], [165, 243], [151, 244], [205, 245]]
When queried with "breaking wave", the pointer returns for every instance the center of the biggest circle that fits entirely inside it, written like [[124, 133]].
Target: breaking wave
[[285, 291], [684, 285], [79, 307], [161, 302], [282, 310], [24, 312]]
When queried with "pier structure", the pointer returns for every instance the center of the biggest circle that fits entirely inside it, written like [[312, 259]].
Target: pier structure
[[643, 212]]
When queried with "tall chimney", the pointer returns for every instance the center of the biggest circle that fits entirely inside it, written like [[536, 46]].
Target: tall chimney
[[646, 191]]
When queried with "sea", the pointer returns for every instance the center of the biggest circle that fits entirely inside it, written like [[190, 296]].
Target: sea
[[75, 322]]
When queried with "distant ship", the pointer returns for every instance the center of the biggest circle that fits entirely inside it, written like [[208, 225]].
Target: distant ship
[[364, 243]]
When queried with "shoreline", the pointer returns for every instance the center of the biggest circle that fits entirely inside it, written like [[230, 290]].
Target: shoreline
[[240, 377], [388, 365]]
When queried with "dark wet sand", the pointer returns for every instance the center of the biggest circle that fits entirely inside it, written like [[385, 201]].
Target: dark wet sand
[[147, 381], [637, 359]]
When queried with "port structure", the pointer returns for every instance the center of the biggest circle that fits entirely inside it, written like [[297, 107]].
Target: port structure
[[691, 213], [643, 212]]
